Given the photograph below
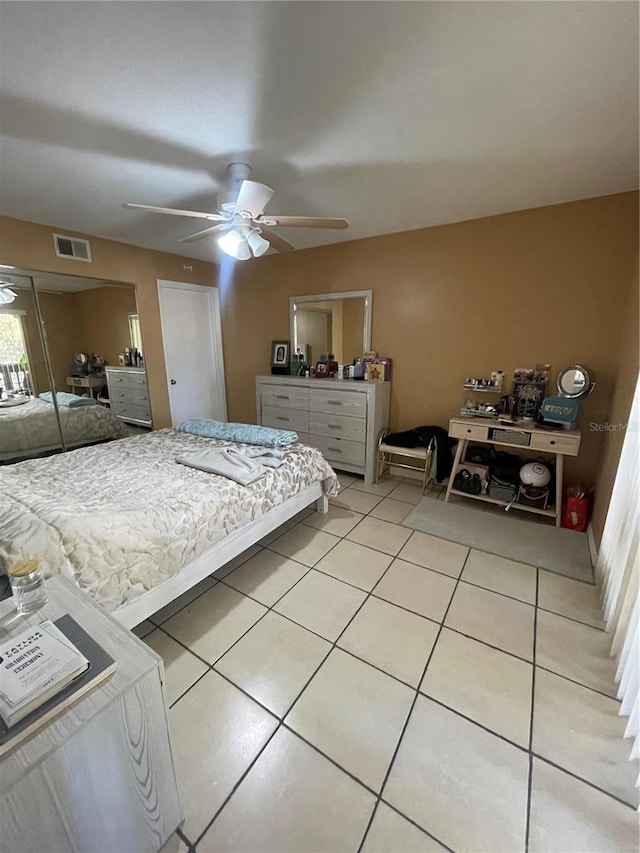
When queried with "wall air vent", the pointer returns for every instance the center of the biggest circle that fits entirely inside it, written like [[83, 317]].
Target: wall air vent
[[72, 247]]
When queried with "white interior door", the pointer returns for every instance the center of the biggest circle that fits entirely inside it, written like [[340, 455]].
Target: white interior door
[[192, 339]]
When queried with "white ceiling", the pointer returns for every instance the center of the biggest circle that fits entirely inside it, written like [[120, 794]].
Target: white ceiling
[[394, 115]]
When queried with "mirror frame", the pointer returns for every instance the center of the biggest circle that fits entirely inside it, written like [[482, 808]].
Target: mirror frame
[[588, 387], [295, 301]]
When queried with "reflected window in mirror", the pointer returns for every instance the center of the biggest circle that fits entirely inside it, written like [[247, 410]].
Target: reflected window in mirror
[[15, 370]]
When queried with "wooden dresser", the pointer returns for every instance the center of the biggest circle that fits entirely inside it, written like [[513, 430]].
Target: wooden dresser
[[341, 417], [129, 394]]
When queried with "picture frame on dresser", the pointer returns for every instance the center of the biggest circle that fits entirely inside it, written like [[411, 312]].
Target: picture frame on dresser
[[279, 353]]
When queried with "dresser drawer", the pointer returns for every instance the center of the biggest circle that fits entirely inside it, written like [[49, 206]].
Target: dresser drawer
[[339, 449], [303, 438], [138, 396], [567, 444], [138, 380], [343, 402], [471, 432], [130, 410], [284, 398], [272, 416], [341, 426], [118, 379]]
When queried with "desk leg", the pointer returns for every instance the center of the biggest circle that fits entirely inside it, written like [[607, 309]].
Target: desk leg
[[559, 478], [462, 446]]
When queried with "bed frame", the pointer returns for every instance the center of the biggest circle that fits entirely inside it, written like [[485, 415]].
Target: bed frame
[[145, 605]]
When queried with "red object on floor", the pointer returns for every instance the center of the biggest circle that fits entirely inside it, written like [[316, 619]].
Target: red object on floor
[[575, 514]]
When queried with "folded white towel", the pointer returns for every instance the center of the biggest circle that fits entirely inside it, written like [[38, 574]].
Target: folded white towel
[[244, 465]]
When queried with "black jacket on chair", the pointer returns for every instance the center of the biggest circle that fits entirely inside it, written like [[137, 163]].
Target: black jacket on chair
[[420, 437]]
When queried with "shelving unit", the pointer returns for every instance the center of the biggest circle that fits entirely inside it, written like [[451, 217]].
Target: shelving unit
[[480, 389], [550, 513], [483, 389]]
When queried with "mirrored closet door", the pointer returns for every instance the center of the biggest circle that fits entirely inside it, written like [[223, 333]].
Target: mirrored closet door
[[81, 339]]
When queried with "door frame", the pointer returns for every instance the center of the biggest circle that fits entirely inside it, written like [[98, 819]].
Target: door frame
[[216, 325]]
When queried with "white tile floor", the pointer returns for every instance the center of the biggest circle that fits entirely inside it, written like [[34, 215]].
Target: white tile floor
[[351, 685]]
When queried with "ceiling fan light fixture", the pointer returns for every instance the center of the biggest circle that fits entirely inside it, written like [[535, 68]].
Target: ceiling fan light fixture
[[257, 244], [6, 295], [234, 243]]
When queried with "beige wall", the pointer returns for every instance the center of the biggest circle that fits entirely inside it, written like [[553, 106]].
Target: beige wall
[[30, 246], [61, 323], [549, 284], [103, 320], [624, 386], [507, 291], [314, 330]]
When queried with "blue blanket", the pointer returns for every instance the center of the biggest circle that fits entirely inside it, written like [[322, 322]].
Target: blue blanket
[[245, 433], [71, 401]]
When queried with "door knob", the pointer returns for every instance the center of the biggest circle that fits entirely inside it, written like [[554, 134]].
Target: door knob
[[173, 382]]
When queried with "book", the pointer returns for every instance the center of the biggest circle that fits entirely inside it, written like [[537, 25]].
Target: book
[[83, 664], [34, 666]]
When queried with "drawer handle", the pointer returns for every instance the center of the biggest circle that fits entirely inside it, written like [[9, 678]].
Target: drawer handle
[[334, 402], [334, 426], [469, 430], [282, 419], [334, 449], [281, 397], [553, 441]]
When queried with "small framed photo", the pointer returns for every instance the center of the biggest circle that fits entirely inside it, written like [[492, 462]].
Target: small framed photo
[[279, 353], [322, 369]]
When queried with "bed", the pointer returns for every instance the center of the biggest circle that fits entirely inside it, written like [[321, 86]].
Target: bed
[[32, 428], [135, 529]]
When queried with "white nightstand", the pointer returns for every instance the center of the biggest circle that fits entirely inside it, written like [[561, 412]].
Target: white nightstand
[[101, 775]]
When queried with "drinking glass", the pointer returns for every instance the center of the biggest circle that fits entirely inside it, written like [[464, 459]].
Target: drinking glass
[[27, 583]]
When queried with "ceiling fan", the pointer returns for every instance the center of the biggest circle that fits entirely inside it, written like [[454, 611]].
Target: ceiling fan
[[244, 228], [6, 295]]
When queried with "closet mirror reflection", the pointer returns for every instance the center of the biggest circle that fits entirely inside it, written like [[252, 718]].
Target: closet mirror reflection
[[337, 323], [61, 333]]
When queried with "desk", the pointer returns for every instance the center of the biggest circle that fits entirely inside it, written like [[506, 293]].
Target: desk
[[100, 776], [90, 382], [560, 443]]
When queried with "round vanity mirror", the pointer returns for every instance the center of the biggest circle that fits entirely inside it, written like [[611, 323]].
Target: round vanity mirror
[[80, 358], [574, 382]]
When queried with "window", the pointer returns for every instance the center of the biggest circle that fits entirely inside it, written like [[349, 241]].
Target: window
[[134, 332], [14, 364]]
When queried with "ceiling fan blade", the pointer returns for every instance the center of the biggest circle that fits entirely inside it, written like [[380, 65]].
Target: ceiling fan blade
[[213, 217], [207, 231], [277, 242], [253, 198], [306, 222]]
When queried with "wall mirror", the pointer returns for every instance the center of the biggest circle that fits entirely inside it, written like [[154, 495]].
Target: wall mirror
[[338, 323], [57, 333], [575, 381]]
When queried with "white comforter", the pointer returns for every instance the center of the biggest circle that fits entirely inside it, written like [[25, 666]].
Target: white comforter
[[33, 427], [120, 518]]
